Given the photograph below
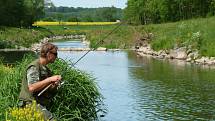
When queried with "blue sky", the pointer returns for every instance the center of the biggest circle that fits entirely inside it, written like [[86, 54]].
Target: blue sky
[[90, 3]]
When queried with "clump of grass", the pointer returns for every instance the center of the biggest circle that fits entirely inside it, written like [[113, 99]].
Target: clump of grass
[[10, 84], [78, 98], [162, 43]]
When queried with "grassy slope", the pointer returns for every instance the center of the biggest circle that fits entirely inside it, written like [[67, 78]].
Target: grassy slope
[[196, 34], [10, 36]]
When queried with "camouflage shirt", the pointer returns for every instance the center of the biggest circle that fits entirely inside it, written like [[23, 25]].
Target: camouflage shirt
[[33, 75]]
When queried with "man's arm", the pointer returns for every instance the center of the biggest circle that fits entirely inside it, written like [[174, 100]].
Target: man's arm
[[34, 84]]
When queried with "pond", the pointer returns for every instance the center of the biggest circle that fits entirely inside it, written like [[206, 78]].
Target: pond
[[142, 88]]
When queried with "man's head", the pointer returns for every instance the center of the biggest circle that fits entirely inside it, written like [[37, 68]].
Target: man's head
[[49, 51]]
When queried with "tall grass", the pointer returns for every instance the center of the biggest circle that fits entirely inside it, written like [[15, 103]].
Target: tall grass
[[10, 85], [21, 37], [77, 99]]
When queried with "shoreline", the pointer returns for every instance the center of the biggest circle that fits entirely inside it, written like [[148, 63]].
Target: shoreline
[[36, 46], [183, 54]]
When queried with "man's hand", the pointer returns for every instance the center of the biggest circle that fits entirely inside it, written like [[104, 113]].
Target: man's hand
[[55, 79], [38, 86]]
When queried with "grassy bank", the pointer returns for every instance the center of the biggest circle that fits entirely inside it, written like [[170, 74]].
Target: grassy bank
[[77, 99], [195, 34], [11, 37], [122, 38]]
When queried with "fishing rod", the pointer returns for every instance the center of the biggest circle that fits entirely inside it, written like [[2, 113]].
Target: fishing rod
[[95, 47]]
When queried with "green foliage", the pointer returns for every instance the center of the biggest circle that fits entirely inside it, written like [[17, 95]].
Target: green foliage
[[5, 44], [104, 14], [157, 11], [73, 19], [122, 38], [11, 37], [10, 83], [29, 113], [78, 98], [21, 13], [50, 19], [208, 49], [196, 34], [162, 44]]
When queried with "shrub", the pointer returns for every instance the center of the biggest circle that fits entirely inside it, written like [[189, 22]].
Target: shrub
[[29, 113], [77, 99]]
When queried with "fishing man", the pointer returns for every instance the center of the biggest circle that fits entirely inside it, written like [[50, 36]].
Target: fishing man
[[37, 77]]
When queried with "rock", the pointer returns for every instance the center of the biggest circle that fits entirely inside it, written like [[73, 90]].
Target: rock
[[202, 60], [193, 55], [179, 53], [160, 57], [101, 49], [189, 59]]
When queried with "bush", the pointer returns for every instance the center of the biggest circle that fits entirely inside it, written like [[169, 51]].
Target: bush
[[5, 44], [29, 113], [77, 99], [10, 85]]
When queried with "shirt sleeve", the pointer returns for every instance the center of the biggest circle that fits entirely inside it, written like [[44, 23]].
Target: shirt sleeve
[[32, 75]]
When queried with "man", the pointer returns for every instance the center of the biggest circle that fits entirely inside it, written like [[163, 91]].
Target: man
[[37, 77]]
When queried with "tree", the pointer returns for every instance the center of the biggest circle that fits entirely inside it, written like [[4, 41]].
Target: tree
[[20, 12], [157, 11]]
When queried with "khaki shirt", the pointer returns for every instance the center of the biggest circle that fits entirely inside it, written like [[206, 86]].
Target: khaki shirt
[[33, 75]]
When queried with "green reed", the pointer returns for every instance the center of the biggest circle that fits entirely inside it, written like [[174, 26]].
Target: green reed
[[77, 99]]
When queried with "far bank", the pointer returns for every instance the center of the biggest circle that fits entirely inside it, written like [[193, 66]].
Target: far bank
[[195, 37]]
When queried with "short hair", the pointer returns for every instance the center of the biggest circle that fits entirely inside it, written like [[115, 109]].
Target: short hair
[[46, 48]]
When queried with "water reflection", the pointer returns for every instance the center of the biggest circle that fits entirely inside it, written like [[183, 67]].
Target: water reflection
[[167, 91]]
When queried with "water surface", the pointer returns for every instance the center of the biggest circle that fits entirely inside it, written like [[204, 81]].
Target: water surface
[[145, 89]]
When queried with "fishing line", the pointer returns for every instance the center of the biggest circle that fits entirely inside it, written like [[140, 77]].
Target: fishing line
[[96, 45]]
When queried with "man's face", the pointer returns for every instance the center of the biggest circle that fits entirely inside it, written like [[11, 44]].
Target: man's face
[[52, 55]]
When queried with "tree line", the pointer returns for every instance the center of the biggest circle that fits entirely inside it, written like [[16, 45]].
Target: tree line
[[159, 11], [21, 13], [78, 14]]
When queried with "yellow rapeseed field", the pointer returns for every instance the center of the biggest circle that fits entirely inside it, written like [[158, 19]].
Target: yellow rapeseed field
[[45, 23]]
